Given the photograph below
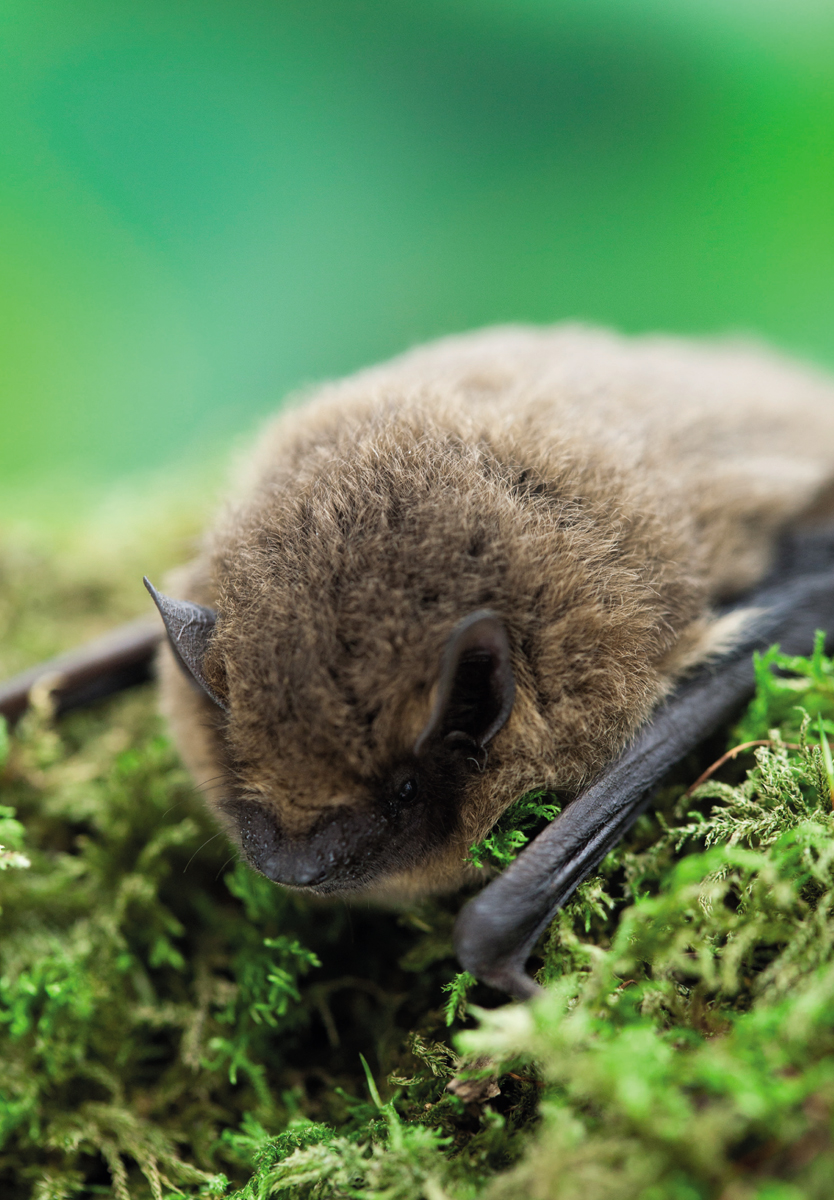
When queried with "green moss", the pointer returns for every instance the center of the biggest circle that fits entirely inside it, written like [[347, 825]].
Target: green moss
[[172, 1024], [514, 829]]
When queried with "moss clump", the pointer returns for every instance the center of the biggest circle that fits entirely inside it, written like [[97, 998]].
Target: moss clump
[[166, 1011], [172, 1024]]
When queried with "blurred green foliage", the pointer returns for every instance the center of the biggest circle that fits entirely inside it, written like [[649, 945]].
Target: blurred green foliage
[[207, 203]]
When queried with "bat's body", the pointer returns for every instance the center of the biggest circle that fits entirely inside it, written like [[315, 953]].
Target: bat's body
[[599, 495], [474, 571]]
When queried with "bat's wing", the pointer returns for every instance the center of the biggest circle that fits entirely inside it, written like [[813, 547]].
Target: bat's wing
[[114, 662], [496, 930]]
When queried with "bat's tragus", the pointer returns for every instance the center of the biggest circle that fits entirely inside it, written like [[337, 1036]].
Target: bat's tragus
[[475, 688], [189, 628]]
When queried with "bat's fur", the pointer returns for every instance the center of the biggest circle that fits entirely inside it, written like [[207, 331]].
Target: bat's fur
[[600, 494]]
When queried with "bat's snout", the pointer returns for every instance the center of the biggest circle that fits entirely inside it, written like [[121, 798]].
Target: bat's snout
[[296, 869], [342, 852]]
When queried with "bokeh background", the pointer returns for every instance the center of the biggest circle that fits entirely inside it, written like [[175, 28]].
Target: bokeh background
[[207, 203]]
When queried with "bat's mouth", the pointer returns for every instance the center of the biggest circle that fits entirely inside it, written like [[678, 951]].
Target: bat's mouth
[[347, 849]]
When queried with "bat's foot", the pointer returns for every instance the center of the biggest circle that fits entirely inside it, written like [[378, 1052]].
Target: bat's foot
[[483, 956]]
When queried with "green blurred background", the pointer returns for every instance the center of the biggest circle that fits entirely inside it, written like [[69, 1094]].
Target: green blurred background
[[205, 203]]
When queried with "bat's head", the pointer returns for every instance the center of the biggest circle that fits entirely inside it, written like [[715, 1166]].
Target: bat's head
[[353, 657], [327, 817]]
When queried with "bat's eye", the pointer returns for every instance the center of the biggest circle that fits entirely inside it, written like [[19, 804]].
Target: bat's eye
[[407, 790], [403, 786]]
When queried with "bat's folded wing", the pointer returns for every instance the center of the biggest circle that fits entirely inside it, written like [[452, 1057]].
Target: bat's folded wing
[[116, 661], [496, 930]]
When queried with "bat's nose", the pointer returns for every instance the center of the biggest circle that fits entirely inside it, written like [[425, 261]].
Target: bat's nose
[[294, 870], [331, 857]]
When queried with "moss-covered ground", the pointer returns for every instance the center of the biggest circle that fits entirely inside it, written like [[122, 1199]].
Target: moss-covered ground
[[174, 1025]]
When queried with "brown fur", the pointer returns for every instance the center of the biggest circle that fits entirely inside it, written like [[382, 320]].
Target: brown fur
[[599, 493]]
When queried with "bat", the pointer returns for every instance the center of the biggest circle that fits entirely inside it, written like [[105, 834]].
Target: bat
[[512, 559]]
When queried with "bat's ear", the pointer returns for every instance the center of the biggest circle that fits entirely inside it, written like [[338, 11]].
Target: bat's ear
[[189, 628], [475, 688]]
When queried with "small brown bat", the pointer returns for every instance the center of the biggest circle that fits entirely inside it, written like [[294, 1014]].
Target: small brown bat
[[478, 570]]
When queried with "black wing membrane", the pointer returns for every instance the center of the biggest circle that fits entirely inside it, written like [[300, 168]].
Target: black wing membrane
[[118, 660], [497, 929]]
